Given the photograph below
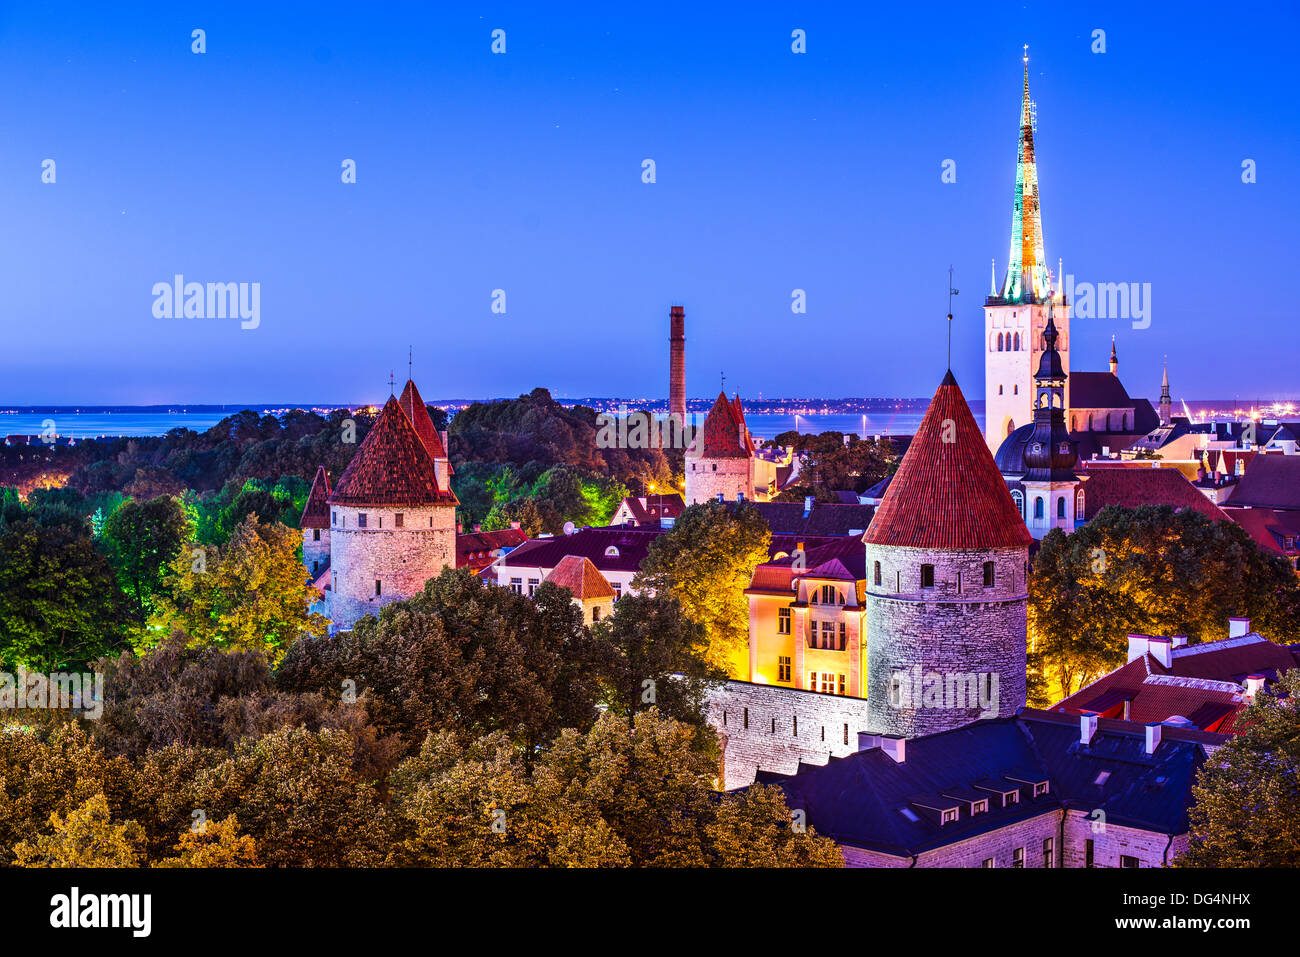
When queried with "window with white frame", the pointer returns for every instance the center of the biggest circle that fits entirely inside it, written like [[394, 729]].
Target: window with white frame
[[783, 668], [783, 621]]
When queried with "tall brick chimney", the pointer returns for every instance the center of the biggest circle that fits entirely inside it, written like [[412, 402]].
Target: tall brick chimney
[[677, 363]]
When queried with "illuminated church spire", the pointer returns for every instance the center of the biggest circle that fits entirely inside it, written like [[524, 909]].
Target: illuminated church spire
[[1026, 279]]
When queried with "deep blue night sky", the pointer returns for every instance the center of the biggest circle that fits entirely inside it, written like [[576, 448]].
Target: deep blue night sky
[[522, 171]]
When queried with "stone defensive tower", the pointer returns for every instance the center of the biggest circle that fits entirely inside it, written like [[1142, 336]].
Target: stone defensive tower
[[677, 363], [1015, 315], [315, 525], [720, 460], [947, 603], [392, 513]]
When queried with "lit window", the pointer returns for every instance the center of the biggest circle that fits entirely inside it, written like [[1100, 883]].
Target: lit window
[[988, 862], [842, 685], [979, 807], [1040, 789], [1011, 797], [783, 668], [1018, 857], [783, 621]]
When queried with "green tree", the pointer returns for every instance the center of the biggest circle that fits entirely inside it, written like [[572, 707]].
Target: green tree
[[253, 593], [60, 605], [706, 562], [654, 657], [1246, 809], [141, 540], [1150, 570]]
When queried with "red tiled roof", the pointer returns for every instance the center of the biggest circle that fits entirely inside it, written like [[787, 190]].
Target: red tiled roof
[[1131, 487], [477, 550], [724, 435], [948, 494], [415, 409], [316, 513], [649, 509], [1270, 481], [581, 577], [1269, 527], [392, 467]]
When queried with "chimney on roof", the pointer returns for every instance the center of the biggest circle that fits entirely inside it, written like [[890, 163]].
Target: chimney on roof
[[517, 525], [1238, 627], [1087, 726], [894, 745], [1254, 685], [1152, 737], [1159, 648], [807, 505], [869, 740], [1180, 641]]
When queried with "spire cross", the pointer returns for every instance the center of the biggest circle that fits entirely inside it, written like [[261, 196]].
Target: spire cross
[[409, 361], [724, 382], [390, 383]]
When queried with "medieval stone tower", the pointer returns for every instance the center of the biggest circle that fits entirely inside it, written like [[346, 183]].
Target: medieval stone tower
[[947, 603], [315, 525], [1015, 316], [392, 513], [720, 460], [677, 363]]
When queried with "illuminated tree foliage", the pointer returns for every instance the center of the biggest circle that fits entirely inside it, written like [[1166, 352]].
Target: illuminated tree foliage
[[1150, 570], [60, 605], [141, 540], [85, 838], [252, 593], [829, 464], [214, 844], [706, 562], [1246, 810]]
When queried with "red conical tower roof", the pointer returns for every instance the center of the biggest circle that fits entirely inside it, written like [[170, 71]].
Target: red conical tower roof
[[316, 513], [948, 494], [415, 409], [392, 467], [724, 435]]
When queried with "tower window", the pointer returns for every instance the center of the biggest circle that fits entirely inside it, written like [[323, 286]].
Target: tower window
[[378, 588], [1019, 500], [361, 519], [1015, 390], [990, 574], [1038, 506], [1017, 349], [999, 342], [927, 576], [334, 518], [877, 574], [399, 520], [1078, 504], [315, 534], [999, 390]]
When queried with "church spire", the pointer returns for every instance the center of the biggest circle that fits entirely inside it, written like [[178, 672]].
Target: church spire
[[1114, 359], [1026, 279], [1166, 401]]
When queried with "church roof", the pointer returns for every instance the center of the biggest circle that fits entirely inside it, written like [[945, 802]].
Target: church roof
[[1270, 481], [580, 576], [1098, 390], [947, 493], [392, 467], [415, 409], [316, 513], [724, 435]]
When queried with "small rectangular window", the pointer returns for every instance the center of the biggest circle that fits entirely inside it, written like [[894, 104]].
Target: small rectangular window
[[517, 586], [315, 534], [1126, 861], [877, 573], [989, 575], [1049, 852], [334, 518], [950, 816], [361, 519], [988, 862], [842, 687], [1018, 857], [378, 588], [783, 668], [1040, 789], [399, 519], [783, 621], [927, 576], [532, 586], [1087, 853]]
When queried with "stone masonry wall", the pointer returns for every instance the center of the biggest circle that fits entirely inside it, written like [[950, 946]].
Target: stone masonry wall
[[731, 478], [958, 629], [401, 559], [774, 728]]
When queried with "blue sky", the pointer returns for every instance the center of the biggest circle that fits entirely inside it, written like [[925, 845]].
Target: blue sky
[[522, 172]]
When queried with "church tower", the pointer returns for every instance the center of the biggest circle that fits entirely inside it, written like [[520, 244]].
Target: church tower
[[1166, 402], [947, 556], [1053, 498], [1015, 315]]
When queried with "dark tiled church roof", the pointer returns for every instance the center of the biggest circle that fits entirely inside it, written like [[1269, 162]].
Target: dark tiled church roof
[[1098, 390], [392, 467], [316, 513], [1271, 481], [947, 493]]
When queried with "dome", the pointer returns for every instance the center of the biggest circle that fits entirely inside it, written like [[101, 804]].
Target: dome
[[1010, 457]]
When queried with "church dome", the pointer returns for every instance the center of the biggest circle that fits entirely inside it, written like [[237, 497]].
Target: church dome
[[1010, 457]]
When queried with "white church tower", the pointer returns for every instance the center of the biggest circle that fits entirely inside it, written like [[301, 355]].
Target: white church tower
[[1015, 316]]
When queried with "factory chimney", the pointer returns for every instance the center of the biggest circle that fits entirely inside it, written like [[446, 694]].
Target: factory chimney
[[677, 364]]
